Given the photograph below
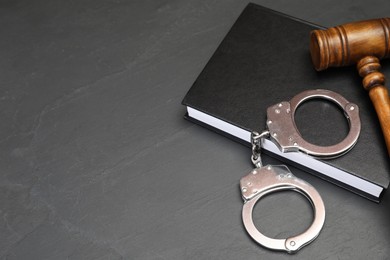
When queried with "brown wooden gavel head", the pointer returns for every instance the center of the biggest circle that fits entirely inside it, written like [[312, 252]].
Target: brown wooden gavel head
[[362, 43]]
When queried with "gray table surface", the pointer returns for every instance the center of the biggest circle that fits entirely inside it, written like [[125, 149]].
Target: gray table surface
[[97, 162]]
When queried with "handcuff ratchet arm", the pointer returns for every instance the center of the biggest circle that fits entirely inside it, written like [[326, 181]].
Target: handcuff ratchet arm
[[269, 179], [284, 132]]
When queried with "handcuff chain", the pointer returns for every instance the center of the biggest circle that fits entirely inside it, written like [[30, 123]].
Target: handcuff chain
[[256, 140]]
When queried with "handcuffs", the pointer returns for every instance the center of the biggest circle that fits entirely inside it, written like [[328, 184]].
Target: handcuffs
[[263, 180]]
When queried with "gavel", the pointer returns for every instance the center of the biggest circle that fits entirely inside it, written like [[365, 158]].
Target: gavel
[[363, 43]]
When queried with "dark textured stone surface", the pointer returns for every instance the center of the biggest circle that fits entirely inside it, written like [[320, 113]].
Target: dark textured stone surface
[[96, 161]]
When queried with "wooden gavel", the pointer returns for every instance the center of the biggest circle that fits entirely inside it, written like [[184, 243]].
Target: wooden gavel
[[362, 43]]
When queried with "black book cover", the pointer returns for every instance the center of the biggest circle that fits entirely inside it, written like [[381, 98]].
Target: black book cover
[[265, 59]]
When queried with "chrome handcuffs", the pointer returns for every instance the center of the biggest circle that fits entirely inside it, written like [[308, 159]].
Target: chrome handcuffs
[[263, 180]]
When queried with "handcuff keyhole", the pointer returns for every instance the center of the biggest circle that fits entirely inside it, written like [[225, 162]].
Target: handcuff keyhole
[[283, 214], [321, 122]]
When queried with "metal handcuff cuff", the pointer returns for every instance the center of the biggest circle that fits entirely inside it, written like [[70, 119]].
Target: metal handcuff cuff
[[263, 180]]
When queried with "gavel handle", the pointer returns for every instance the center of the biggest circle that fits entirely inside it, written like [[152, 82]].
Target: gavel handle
[[373, 82], [380, 98]]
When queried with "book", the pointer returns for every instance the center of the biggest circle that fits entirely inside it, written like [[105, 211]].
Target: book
[[265, 59]]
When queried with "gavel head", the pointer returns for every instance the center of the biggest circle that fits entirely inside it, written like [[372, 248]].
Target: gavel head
[[349, 43]]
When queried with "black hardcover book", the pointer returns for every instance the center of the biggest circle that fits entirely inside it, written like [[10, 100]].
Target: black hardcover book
[[265, 59]]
